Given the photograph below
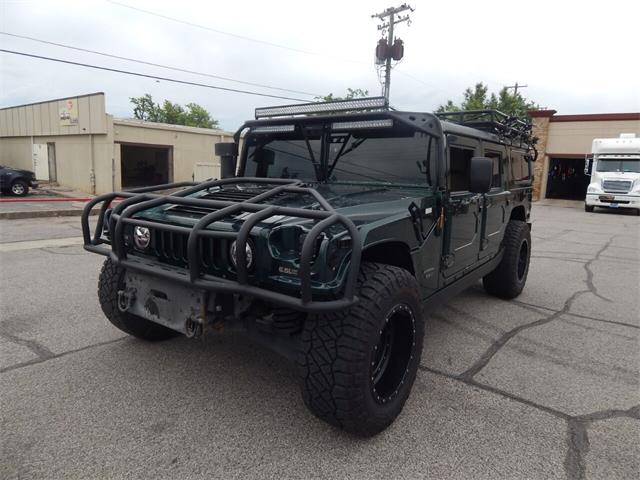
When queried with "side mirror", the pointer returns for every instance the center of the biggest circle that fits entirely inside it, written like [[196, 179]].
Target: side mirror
[[480, 174], [587, 166], [228, 153]]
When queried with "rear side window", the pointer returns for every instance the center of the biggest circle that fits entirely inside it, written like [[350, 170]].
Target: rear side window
[[496, 160], [519, 167]]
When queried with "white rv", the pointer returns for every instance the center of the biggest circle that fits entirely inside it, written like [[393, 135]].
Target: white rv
[[615, 173]]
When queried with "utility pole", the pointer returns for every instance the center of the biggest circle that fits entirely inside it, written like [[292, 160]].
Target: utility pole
[[393, 18], [515, 88]]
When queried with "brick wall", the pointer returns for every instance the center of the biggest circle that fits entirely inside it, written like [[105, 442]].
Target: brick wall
[[540, 120]]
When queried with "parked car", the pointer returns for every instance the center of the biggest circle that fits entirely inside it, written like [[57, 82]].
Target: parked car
[[16, 182]]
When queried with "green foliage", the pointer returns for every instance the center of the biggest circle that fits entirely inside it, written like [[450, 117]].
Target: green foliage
[[351, 94], [478, 98], [193, 115]]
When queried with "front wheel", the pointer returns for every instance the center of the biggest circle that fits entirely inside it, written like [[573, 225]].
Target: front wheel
[[358, 366], [509, 277], [588, 208], [111, 280], [19, 188]]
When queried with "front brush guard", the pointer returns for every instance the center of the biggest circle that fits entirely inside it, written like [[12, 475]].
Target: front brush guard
[[144, 198]]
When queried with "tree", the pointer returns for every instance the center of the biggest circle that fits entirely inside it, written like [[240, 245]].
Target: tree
[[145, 109], [351, 94], [477, 98], [193, 115]]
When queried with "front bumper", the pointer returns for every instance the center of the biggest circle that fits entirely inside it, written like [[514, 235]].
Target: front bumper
[[193, 276], [611, 200]]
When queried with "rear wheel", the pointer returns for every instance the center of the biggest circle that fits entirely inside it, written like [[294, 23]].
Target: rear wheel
[[110, 282], [588, 208], [358, 366], [509, 277], [19, 188]]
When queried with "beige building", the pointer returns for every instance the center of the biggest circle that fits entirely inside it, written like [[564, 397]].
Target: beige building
[[74, 142], [564, 141]]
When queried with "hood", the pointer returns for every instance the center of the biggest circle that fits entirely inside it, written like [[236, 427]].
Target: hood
[[361, 203]]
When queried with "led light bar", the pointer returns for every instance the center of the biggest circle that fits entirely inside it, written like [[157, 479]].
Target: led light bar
[[372, 103], [386, 123], [274, 129]]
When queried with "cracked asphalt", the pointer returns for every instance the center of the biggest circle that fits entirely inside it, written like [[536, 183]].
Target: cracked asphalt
[[546, 386]]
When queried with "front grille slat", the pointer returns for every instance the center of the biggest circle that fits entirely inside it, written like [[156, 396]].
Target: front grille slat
[[617, 186], [172, 248]]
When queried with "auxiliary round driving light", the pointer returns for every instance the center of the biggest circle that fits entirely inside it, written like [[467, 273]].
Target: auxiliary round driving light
[[248, 249], [141, 237]]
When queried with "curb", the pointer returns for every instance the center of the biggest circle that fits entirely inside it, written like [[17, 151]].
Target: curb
[[70, 212]]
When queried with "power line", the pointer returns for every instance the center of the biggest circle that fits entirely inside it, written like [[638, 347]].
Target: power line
[[250, 39], [177, 69], [145, 75], [234, 35]]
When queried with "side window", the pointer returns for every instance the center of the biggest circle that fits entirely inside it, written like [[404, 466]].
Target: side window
[[496, 159], [459, 166], [519, 166]]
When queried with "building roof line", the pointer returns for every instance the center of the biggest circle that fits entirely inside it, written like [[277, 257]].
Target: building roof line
[[596, 117], [53, 100], [133, 122]]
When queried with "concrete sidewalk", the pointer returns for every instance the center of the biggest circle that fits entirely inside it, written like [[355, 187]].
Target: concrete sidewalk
[[46, 201]]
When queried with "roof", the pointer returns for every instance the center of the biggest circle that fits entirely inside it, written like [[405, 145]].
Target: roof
[[584, 117], [131, 122], [53, 100], [622, 145]]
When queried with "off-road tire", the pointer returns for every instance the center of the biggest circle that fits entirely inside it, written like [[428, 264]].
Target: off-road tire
[[19, 188], [588, 208], [339, 350], [509, 277], [110, 281]]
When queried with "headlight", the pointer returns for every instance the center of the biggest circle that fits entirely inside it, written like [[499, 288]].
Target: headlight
[[594, 188], [248, 252], [141, 237]]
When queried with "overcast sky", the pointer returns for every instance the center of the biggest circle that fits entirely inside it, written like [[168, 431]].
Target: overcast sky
[[575, 56]]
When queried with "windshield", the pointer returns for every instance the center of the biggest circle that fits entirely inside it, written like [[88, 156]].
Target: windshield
[[395, 156], [618, 165]]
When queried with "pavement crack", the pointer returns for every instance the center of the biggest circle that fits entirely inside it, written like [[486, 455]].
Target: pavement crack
[[58, 355], [587, 267], [495, 347], [579, 315], [498, 391], [577, 449], [578, 438], [42, 352]]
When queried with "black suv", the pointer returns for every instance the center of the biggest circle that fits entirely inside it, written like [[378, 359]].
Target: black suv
[[347, 221], [15, 181]]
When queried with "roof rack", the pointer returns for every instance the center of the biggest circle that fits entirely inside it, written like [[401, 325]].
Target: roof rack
[[314, 108], [493, 121]]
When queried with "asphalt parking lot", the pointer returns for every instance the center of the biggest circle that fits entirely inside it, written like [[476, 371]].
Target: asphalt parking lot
[[546, 386]]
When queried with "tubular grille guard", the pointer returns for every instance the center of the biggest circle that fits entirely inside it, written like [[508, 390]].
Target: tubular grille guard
[[145, 198]]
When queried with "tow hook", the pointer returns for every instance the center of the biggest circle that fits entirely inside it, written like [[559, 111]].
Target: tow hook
[[126, 299], [193, 327]]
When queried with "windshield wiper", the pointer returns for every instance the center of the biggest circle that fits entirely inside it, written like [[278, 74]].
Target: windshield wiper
[[342, 152]]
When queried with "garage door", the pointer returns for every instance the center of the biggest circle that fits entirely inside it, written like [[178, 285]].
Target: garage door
[[142, 166]]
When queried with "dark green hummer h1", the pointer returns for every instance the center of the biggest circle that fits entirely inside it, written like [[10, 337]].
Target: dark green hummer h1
[[331, 238]]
